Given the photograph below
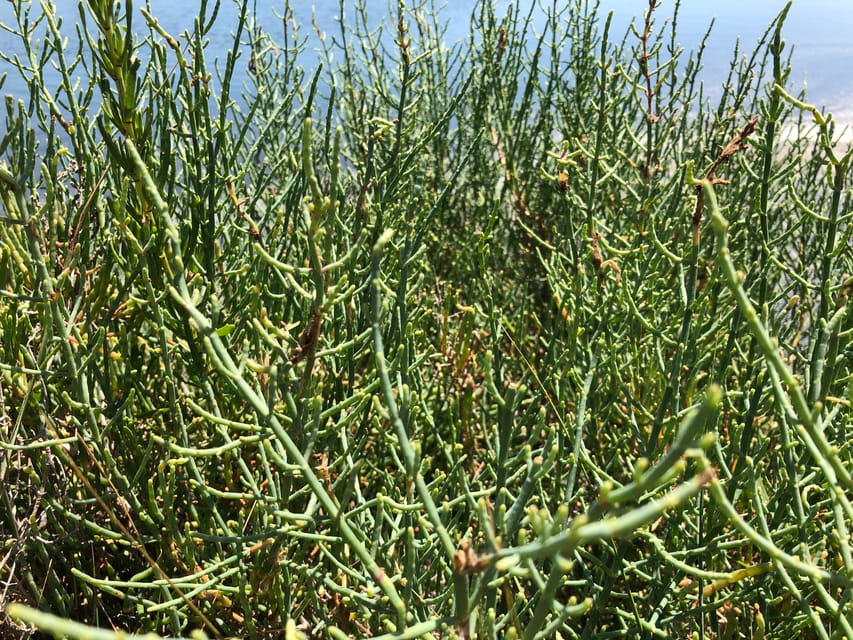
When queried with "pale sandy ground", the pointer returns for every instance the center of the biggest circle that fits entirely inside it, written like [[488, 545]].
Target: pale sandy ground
[[843, 138]]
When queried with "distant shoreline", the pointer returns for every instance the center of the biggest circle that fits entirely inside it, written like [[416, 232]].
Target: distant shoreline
[[842, 139]]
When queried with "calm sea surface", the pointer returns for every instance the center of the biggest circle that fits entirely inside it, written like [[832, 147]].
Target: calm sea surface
[[820, 31]]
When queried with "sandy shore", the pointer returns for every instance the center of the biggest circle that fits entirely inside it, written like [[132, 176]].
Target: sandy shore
[[842, 138]]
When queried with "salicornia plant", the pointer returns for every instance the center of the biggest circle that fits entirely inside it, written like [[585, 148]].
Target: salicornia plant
[[526, 336]]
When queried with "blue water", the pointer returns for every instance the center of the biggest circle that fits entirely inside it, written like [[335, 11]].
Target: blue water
[[819, 29]]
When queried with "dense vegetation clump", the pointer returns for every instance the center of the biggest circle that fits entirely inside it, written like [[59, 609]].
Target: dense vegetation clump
[[525, 337]]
